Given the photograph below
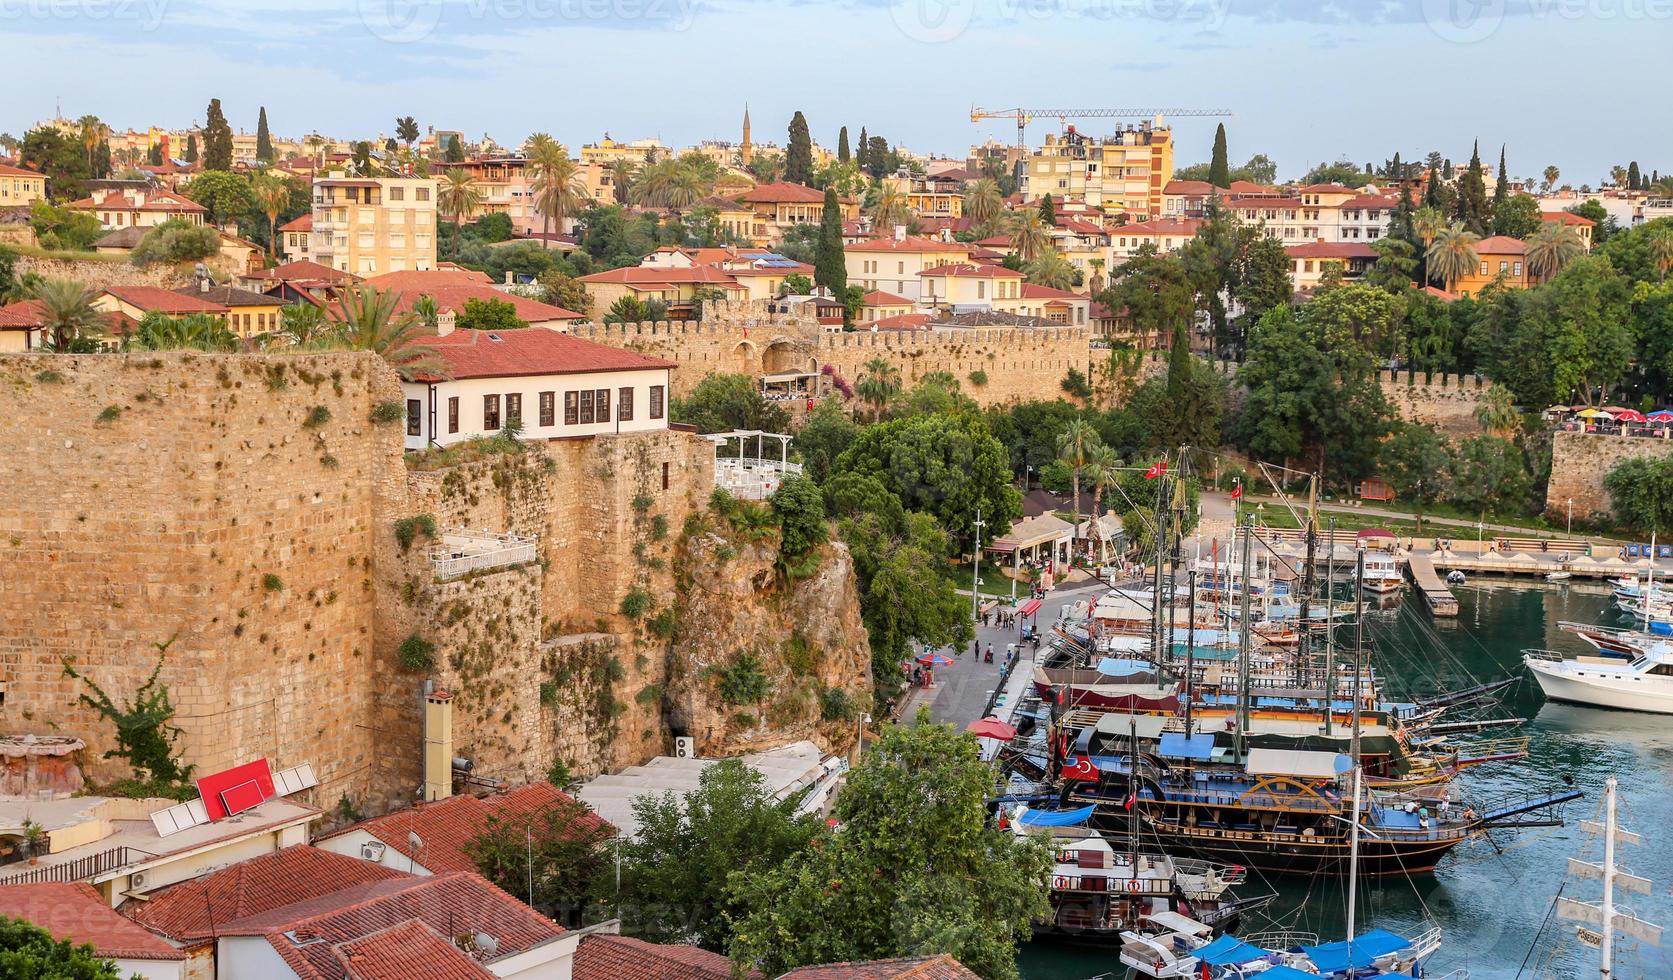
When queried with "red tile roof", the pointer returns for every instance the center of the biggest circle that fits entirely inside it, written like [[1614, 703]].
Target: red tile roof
[[447, 825], [1031, 291], [30, 314], [1373, 201], [1249, 187], [1160, 226], [910, 243], [155, 298], [972, 270], [447, 275], [528, 352], [637, 275], [1079, 226], [903, 321], [303, 223], [782, 192], [407, 951], [943, 967], [1500, 245], [454, 297], [620, 958], [879, 298], [1326, 189], [307, 935], [76, 912], [7, 170], [1331, 250], [1567, 218], [303, 269], [191, 909], [1188, 187]]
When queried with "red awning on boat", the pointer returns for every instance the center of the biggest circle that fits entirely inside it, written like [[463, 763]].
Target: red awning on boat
[[991, 728], [1030, 607], [1374, 532]]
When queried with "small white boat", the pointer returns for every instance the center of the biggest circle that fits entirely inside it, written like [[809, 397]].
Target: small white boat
[[1455, 577], [1382, 574], [1559, 576], [1641, 683]]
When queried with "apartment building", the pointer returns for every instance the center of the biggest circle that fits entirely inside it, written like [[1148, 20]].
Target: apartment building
[[1125, 172], [507, 187], [931, 196], [893, 265], [20, 187], [372, 225]]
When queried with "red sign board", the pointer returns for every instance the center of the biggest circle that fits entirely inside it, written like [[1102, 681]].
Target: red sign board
[[237, 789]]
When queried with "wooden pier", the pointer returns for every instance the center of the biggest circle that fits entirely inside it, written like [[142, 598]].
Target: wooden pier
[[1439, 598]]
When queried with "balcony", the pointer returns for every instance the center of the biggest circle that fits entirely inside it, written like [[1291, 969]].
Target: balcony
[[463, 552]]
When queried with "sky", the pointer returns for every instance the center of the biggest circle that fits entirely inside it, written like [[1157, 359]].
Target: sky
[[1305, 82]]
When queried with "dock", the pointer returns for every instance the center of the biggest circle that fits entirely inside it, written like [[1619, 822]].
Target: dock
[[1436, 595]]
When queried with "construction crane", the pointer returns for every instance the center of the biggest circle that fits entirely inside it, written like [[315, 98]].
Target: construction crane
[[1025, 116]]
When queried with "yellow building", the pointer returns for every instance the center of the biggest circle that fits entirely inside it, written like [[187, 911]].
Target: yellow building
[[679, 288], [20, 187], [878, 305], [929, 196], [1126, 171], [1582, 226], [894, 264], [780, 206], [1499, 258], [372, 225], [608, 151], [970, 284]]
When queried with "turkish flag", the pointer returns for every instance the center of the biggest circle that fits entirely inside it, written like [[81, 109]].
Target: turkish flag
[[1155, 471], [1082, 769], [1237, 491], [1128, 803]]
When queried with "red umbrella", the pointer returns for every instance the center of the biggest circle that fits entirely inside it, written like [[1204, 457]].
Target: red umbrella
[[993, 728], [1630, 416], [934, 660]]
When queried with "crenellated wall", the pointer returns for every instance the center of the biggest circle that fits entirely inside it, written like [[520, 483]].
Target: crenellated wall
[[745, 338], [1445, 401]]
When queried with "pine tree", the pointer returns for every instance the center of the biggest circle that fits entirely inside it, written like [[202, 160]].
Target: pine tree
[[455, 150], [1447, 169], [1402, 226], [860, 156], [154, 155], [830, 269], [191, 148], [264, 140], [1048, 212], [1501, 189], [798, 156], [1471, 209], [842, 146], [217, 138], [877, 157], [1635, 179], [1219, 171]]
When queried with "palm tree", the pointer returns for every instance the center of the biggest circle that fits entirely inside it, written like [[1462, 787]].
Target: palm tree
[[622, 175], [1428, 222], [1661, 250], [304, 325], [67, 313], [316, 142], [1103, 468], [1052, 271], [1618, 175], [92, 133], [460, 197], [194, 331], [1029, 234], [1497, 411], [878, 385], [1452, 255], [1551, 248], [983, 203], [672, 184], [272, 196], [559, 192], [1074, 447], [9, 144], [369, 322], [1552, 175], [890, 209], [1095, 283]]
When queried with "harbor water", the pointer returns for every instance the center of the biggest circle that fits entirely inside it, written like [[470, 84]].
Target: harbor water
[[1492, 902]]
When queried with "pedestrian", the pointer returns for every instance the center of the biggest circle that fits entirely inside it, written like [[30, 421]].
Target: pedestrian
[[1445, 807], [988, 654]]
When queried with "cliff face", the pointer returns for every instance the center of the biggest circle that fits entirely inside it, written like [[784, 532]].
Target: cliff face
[[759, 662]]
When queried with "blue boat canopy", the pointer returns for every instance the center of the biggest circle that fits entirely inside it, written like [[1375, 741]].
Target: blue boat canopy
[[1333, 957], [1119, 667], [1285, 973], [1056, 818], [1229, 949], [1178, 745]]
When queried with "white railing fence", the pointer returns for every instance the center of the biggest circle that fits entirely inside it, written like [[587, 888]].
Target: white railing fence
[[464, 551]]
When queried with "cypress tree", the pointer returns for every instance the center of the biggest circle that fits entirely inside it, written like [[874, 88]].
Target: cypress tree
[[154, 155], [264, 140], [829, 268], [1501, 189], [191, 148], [1471, 209], [842, 145], [1179, 365], [860, 155], [1219, 171], [1634, 178], [455, 150], [798, 157], [1048, 212], [217, 138]]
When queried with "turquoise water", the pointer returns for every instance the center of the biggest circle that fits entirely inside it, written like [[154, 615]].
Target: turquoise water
[[1491, 905]]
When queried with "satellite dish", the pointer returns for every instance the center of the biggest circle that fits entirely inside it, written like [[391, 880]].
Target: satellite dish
[[414, 841], [486, 944]]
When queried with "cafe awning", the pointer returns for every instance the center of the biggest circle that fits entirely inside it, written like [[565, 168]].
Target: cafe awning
[[1029, 608], [1296, 762]]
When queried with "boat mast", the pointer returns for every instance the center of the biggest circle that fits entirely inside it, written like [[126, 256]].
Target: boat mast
[[1329, 629], [1603, 916], [1606, 968], [1243, 652], [1650, 582], [1176, 518], [1156, 635], [1132, 800], [1190, 651], [1304, 651], [1353, 813]]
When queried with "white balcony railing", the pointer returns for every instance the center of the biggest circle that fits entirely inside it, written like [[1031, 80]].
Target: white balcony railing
[[463, 551]]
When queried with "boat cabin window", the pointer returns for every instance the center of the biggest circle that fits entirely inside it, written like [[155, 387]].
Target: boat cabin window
[[1665, 670]]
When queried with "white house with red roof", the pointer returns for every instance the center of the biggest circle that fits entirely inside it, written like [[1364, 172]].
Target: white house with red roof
[[548, 384], [968, 285], [1310, 261], [450, 290], [139, 207], [894, 264]]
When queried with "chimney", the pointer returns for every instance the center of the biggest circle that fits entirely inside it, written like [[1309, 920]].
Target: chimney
[[508, 281], [438, 745], [900, 233], [445, 321]]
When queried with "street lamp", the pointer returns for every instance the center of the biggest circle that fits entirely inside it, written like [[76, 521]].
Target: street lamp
[[975, 582], [1571, 517], [860, 736]]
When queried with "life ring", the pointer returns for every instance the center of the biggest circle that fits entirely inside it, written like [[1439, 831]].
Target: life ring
[[1135, 885]]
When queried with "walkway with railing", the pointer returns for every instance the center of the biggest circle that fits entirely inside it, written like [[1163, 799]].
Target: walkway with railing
[[79, 869], [463, 551]]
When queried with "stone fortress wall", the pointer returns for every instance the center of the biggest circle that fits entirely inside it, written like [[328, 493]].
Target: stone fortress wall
[[744, 338], [1445, 401], [1580, 461]]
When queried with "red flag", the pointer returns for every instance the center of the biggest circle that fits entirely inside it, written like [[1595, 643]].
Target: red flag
[[1128, 803], [1155, 471], [1237, 491], [1083, 769]]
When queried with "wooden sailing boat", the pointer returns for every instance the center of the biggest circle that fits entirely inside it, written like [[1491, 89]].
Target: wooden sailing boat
[[1601, 922]]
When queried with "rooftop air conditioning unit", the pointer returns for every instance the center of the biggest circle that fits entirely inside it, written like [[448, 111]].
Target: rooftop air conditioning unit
[[372, 851], [136, 880], [685, 747]]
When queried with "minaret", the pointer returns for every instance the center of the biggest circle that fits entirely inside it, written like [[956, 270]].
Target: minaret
[[747, 151]]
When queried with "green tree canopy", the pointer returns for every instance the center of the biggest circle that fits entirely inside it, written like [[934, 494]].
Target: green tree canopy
[[798, 155], [28, 952], [723, 402], [916, 869], [226, 195], [217, 139], [1641, 493], [946, 465], [554, 859], [489, 314]]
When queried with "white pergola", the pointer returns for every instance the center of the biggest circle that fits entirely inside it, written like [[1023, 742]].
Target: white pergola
[[1045, 536], [752, 477]]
